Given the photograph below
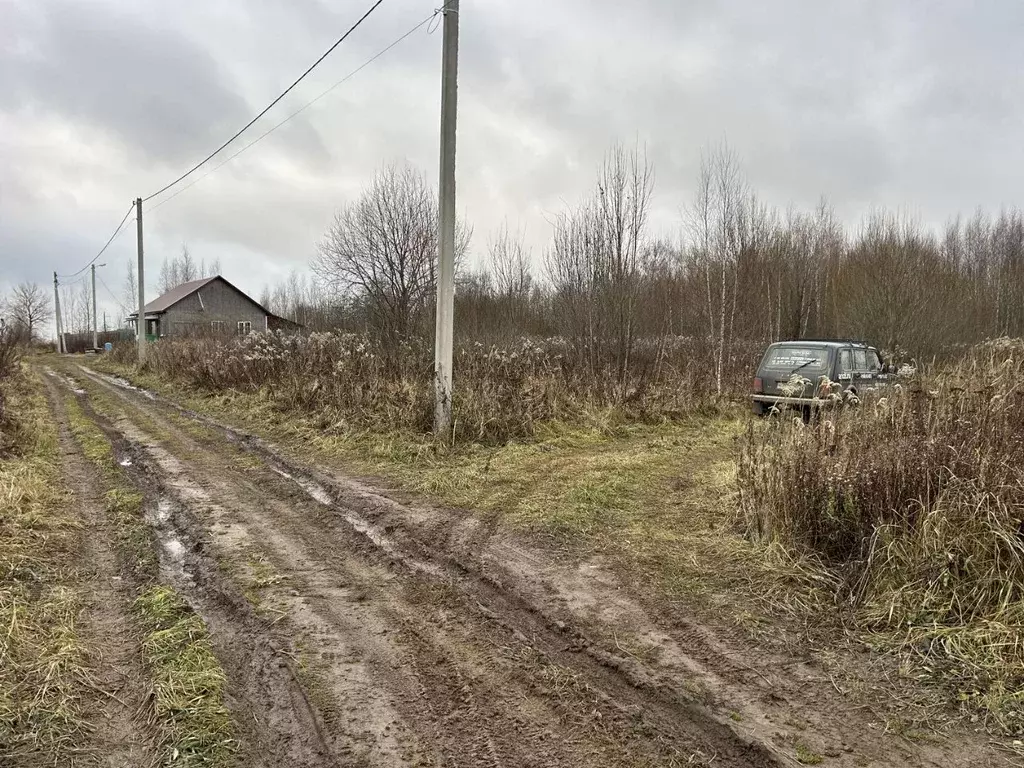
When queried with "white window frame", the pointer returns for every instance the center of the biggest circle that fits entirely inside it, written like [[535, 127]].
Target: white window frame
[[244, 327], [217, 326]]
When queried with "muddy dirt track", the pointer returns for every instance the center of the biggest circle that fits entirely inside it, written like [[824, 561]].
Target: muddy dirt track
[[356, 630]]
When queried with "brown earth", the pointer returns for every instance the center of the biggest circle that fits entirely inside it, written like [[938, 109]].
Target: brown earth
[[359, 629]]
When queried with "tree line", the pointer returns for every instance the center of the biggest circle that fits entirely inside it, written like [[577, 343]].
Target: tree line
[[741, 272]]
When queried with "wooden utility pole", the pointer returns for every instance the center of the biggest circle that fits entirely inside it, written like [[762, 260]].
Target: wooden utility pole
[[443, 337], [140, 323], [56, 316]]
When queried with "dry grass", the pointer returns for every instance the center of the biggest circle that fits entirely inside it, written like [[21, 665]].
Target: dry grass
[[912, 503], [43, 674], [502, 392]]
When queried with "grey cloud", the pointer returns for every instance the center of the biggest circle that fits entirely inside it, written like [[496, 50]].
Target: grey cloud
[[870, 104], [155, 90]]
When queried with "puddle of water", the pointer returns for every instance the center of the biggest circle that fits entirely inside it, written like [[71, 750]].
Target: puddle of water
[[175, 549], [171, 547], [67, 380], [163, 511], [117, 381], [315, 490]]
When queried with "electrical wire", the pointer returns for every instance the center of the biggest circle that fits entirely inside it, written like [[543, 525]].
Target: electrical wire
[[303, 108], [266, 109], [109, 241], [120, 304]]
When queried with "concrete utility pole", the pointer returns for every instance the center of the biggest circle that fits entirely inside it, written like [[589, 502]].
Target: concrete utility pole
[[95, 325], [140, 323], [446, 222], [56, 315]]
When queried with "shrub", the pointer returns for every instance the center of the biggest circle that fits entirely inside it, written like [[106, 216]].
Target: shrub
[[10, 357]]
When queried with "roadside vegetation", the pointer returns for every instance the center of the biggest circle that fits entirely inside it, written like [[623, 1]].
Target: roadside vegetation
[[43, 672], [913, 504]]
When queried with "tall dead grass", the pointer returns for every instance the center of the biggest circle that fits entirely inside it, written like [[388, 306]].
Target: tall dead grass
[[916, 501], [10, 357], [501, 392], [43, 669]]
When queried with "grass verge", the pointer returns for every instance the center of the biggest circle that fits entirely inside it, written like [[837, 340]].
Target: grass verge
[[43, 673], [187, 679]]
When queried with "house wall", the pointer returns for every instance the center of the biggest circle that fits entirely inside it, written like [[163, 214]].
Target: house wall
[[219, 303]]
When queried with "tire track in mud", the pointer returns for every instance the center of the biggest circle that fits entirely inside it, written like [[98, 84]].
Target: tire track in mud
[[499, 682], [276, 723]]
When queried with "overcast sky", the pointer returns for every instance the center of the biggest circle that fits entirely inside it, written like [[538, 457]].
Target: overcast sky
[[899, 104]]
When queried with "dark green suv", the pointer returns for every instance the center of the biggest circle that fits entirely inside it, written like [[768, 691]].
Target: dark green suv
[[809, 374]]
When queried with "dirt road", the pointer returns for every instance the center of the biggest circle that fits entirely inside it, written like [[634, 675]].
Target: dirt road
[[356, 630]]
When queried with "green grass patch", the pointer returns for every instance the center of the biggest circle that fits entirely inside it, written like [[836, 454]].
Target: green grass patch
[[806, 756], [188, 681]]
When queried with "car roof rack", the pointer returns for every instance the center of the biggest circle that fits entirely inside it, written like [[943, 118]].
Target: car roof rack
[[854, 342]]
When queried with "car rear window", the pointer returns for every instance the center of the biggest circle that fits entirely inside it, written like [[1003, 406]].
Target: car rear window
[[791, 358]]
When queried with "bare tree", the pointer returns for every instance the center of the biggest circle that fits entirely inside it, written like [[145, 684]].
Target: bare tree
[[28, 307], [510, 272], [130, 293], [594, 263], [716, 223], [188, 270], [381, 252]]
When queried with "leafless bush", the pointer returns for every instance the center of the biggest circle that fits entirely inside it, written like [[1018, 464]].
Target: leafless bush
[[10, 357], [916, 500]]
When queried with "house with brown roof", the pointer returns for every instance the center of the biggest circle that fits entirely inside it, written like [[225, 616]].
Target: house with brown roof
[[211, 306]]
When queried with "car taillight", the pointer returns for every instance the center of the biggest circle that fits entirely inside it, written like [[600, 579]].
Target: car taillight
[[758, 384]]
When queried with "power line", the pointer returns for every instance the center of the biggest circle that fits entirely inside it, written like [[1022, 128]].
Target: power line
[[302, 109], [313, 66], [109, 241], [120, 304]]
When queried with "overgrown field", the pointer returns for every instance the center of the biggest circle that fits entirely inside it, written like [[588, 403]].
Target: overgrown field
[[915, 503], [501, 392]]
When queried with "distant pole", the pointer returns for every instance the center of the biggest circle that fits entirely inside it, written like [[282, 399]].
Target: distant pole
[[443, 337], [95, 324], [56, 315], [140, 323]]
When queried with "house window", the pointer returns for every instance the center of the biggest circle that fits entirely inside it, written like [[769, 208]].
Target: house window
[[244, 327], [217, 326]]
